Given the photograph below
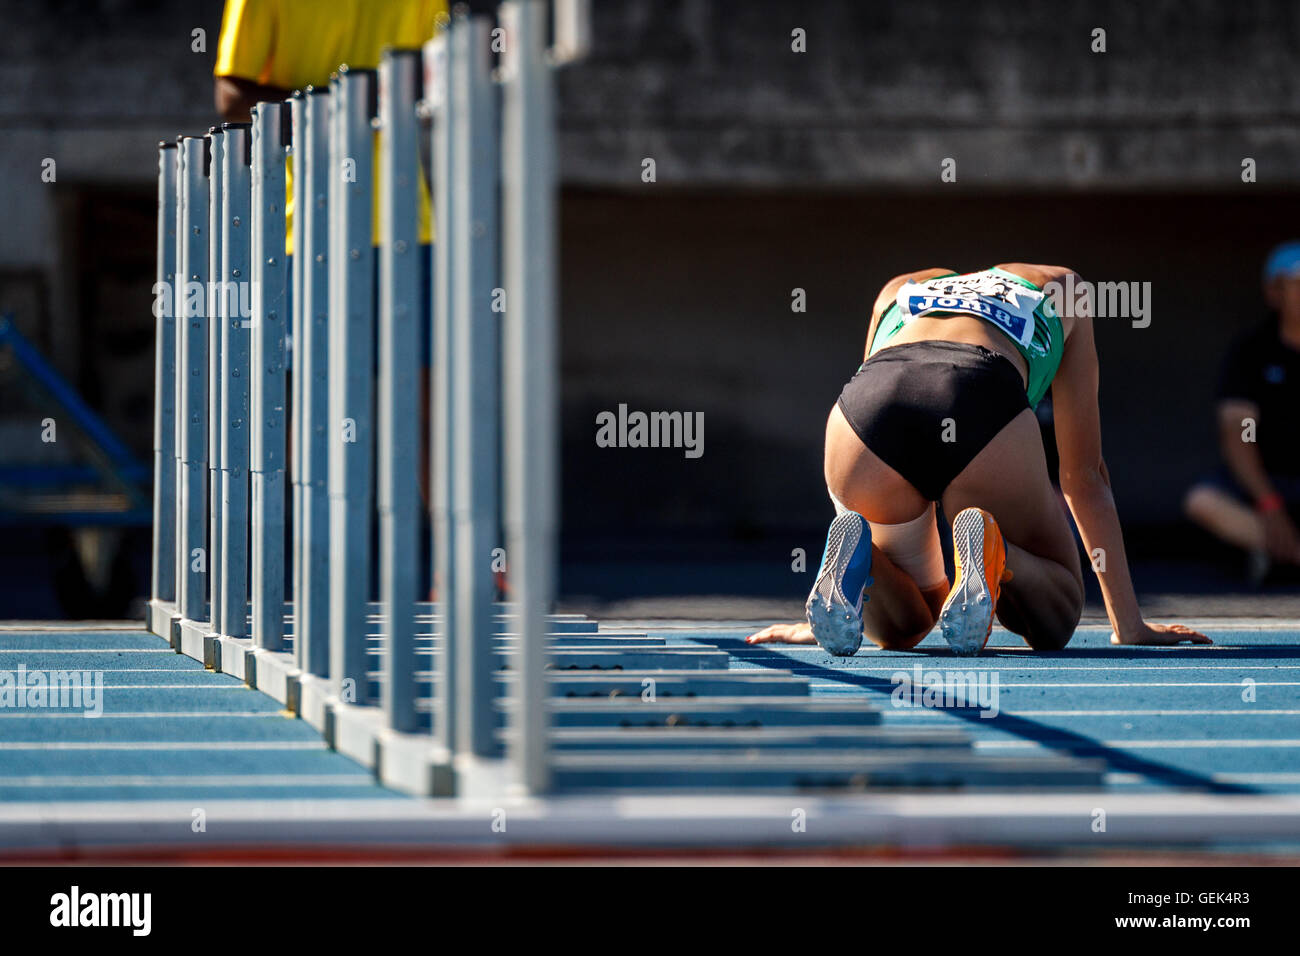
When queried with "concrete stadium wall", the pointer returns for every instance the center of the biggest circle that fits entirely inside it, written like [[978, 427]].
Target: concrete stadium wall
[[774, 170], [712, 90], [683, 302]]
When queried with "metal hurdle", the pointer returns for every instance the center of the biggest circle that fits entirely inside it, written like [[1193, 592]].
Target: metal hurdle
[[349, 440], [216, 283], [233, 426], [530, 359], [398, 395], [164, 566], [269, 277], [310, 464], [191, 362], [350, 378]]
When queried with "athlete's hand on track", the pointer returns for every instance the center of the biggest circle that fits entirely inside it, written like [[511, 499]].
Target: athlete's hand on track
[[783, 634], [1164, 634]]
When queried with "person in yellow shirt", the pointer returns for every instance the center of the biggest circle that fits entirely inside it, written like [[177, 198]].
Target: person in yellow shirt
[[269, 48]]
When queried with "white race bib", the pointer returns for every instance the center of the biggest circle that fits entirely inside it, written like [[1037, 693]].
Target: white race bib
[[985, 295]]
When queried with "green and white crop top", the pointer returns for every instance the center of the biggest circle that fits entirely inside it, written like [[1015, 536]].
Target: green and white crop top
[[1006, 301]]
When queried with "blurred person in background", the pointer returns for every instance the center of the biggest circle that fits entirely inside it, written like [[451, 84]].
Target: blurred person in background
[[1253, 500]]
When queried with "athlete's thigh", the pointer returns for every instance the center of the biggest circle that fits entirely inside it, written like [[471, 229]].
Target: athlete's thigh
[[862, 481], [1009, 479]]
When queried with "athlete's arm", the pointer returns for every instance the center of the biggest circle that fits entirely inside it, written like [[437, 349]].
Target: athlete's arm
[[1086, 484], [1281, 537], [245, 50], [1242, 457], [236, 97]]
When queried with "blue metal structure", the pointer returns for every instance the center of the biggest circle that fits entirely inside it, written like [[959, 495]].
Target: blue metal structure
[[112, 465], [352, 415]]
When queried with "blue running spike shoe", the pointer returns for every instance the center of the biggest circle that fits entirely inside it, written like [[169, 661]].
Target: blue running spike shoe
[[835, 605]]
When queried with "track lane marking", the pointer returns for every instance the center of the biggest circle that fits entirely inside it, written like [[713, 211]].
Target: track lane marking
[[147, 715], [120, 745], [1141, 744], [913, 710], [359, 779]]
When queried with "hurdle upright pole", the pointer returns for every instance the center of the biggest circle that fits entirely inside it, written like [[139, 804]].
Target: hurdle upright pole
[[192, 406], [530, 356], [477, 400], [350, 375], [400, 317], [439, 59], [166, 299], [572, 31], [267, 273], [236, 203], [216, 283], [297, 105], [311, 370]]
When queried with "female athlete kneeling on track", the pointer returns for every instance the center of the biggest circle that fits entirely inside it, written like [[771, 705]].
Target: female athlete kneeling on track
[[942, 410]]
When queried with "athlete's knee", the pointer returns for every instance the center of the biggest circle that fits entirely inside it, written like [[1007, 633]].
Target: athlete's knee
[[1050, 637], [1047, 619], [1054, 630]]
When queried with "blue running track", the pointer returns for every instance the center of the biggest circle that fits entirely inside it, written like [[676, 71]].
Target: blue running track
[[1220, 719]]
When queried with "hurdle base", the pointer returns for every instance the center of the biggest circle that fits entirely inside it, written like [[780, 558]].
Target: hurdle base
[[276, 674], [196, 639], [413, 763], [409, 763], [313, 704], [353, 729], [234, 656], [483, 778], [161, 617]]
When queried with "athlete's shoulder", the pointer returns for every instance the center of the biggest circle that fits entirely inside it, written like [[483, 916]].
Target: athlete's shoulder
[[1037, 273]]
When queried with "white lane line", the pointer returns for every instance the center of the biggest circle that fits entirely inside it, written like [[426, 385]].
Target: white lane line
[[1226, 665], [359, 779], [1205, 683], [87, 650], [162, 715], [171, 745], [1243, 712], [1215, 683], [68, 627], [55, 689], [1142, 744], [225, 685], [1122, 779], [1263, 777]]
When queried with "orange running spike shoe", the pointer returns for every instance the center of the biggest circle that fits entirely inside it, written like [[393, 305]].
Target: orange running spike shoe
[[980, 559]]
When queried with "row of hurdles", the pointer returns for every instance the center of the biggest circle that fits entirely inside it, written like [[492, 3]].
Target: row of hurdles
[[467, 695]]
